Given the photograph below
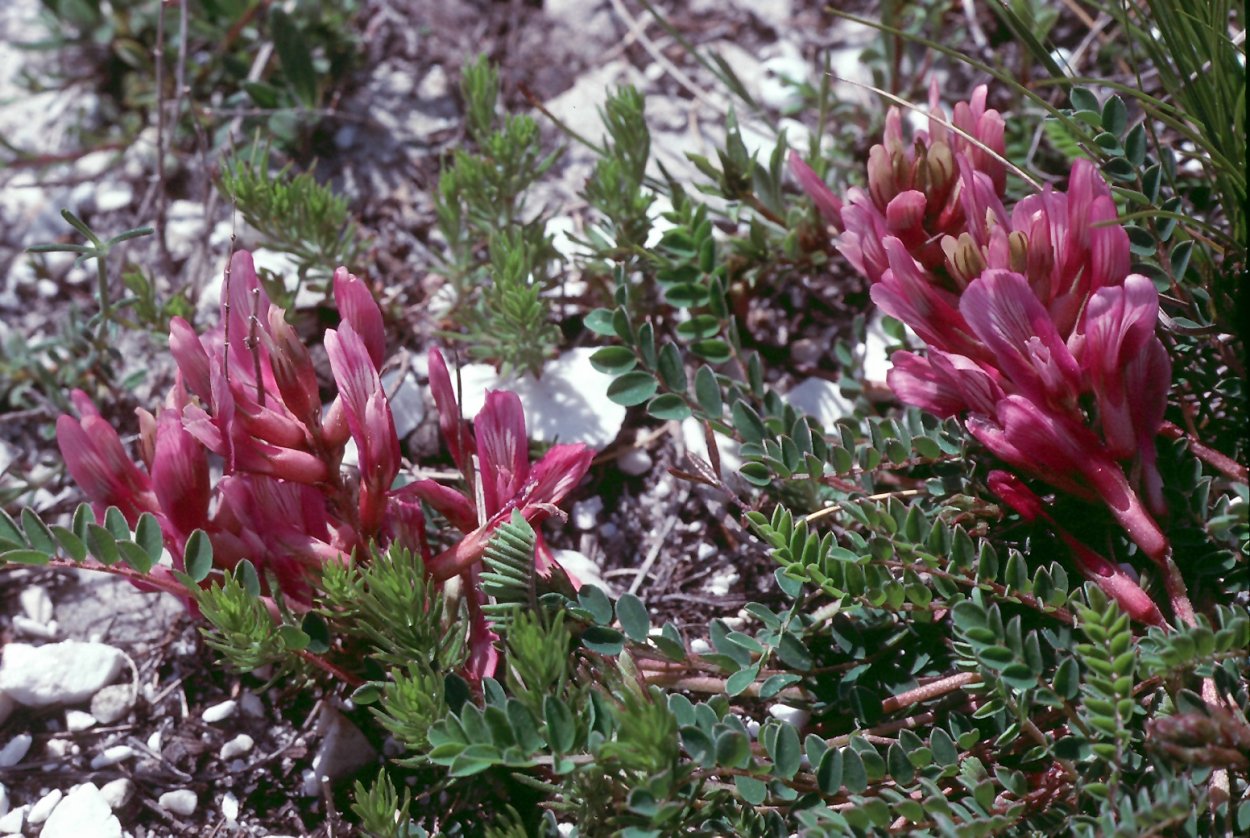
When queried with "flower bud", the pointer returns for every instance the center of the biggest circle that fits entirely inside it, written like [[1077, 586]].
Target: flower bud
[[293, 370]]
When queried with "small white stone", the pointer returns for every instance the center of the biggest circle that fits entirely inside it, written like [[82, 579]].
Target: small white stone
[[4, 800], [635, 462], [753, 728], [705, 551], [42, 809], [77, 720], [113, 703], [154, 742], [230, 807], [31, 628], [113, 197], [582, 567], [722, 581], [68, 672], [820, 399], [112, 756], [586, 513], [36, 603], [794, 715], [47, 289], [220, 712], [699, 646], [15, 750], [180, 802], [407, 401], [59, 748], [251, 705], [11, 824], [83, 812], [236, 747], [118, 792]]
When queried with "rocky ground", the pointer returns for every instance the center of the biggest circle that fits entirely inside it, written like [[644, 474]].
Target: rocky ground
[[114, 717]]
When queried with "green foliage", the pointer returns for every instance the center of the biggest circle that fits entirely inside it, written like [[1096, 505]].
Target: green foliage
[[499, 256], [308, 43], [378, 807], [294, 214]]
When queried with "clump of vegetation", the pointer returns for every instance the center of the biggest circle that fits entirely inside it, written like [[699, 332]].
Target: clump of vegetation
[[1008, 597]]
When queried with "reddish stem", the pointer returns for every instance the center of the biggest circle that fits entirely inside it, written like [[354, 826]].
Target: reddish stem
[[1220, 462]]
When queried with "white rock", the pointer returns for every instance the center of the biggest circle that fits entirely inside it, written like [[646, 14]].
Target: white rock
[[586, 513], [251, 705], [705, 551], [68, 672], [36, 603], [77, 720], [4, 800], [42, 809], [696, 444], [185, 225], [112, 703], [15, 750], [779, 85], [564, 238], [343, 750], [220, 712], [820, 399], [111, 197], [635, 462], [238, 746], [722, 581], [83, 812], [793, 715], [112, 756], [117, 793], [230, 807], [11, 824], [569, 403], [179, 801], [406, 399], [876, 364], [154, 742], [580, 566], [32, 628], [699, 646]]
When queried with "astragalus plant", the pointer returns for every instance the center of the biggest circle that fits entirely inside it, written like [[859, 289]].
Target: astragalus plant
[[1009, 593]]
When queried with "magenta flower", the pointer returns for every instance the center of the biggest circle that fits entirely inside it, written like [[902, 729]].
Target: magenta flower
[[503, 472], [1129, 372], [1070, 457], [828, 204], [494, 457], [1000, 309], [96, 459]]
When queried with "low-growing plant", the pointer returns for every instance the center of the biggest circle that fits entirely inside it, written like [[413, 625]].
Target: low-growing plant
[[928, 660]]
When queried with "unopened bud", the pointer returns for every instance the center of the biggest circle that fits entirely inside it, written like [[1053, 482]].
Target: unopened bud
[[1018, 251], [882, 185], [292, 369], [963, 258], [940, 162]]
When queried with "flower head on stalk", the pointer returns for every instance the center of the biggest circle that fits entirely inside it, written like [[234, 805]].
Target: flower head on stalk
[[494, 457], [914, 188]]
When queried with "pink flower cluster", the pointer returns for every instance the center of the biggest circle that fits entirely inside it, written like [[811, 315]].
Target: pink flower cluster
[[1037, 333], [246, 400]]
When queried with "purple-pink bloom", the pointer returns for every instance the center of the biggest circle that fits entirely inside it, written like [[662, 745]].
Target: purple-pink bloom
[[1061, 451], [828, 204], [1000, 308], [1129, 372]]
